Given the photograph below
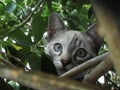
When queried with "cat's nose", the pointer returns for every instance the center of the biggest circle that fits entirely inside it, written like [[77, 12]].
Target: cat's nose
[[65, 62]]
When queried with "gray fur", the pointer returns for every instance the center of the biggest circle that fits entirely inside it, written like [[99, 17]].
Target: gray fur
[[71, 42]]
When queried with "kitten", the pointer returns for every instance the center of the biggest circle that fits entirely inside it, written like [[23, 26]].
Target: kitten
[[69, 48]]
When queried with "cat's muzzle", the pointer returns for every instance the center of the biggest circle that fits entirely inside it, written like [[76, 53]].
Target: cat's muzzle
[[65, 62]]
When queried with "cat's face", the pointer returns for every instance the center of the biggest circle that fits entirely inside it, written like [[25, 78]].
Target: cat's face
[[68, 48]]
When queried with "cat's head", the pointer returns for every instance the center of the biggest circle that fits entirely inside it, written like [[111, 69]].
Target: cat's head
[[69, 48]]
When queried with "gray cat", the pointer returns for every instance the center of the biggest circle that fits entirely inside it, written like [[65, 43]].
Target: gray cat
[[69, 48]]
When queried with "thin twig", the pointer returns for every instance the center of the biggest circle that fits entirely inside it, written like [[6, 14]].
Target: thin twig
[[85, 66], [7, 63], [16, 59], [115, 85]]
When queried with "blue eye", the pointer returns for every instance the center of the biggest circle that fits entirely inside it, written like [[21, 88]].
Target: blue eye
[[58, 47]]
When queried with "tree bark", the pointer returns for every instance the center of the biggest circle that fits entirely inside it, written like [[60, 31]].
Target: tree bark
[[41, 81]]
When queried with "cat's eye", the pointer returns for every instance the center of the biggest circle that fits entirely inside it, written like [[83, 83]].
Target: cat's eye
[[81, 53], [58, 47]]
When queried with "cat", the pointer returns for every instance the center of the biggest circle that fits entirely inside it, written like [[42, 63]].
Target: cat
[[69, 48]]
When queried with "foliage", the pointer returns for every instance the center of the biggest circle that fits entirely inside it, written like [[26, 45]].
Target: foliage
[[22, 28]]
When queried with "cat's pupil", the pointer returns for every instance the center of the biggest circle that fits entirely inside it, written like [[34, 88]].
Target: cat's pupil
[[58, 47], [81, 53]]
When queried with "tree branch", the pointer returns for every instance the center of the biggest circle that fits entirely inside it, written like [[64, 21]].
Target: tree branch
[[85, 66], [41, 81], [98, 71], [109, 26]]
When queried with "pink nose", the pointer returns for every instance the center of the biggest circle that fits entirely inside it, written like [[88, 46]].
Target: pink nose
[[65, 62]]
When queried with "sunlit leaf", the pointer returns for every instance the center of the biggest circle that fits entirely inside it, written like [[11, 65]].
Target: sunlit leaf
[[10, 7], [16, 47]]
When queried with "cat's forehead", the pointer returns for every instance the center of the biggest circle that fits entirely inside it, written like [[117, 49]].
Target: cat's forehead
[[67, 36]]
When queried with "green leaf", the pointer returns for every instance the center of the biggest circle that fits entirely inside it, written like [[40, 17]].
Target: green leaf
[[38, 26], [19, 1], [21, 38], [49, 4], [2, 8], [3, 31], [12, 51], [47, 64], [79, 5], [23, 53], [34, 62], [10, 7]]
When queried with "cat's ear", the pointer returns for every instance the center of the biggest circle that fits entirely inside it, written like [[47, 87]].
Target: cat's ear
[[55, 24], [97, 40]]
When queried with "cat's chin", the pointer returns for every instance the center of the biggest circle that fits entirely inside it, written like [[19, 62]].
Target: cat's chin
[[58, 65], [61, 68], [68, 67]]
